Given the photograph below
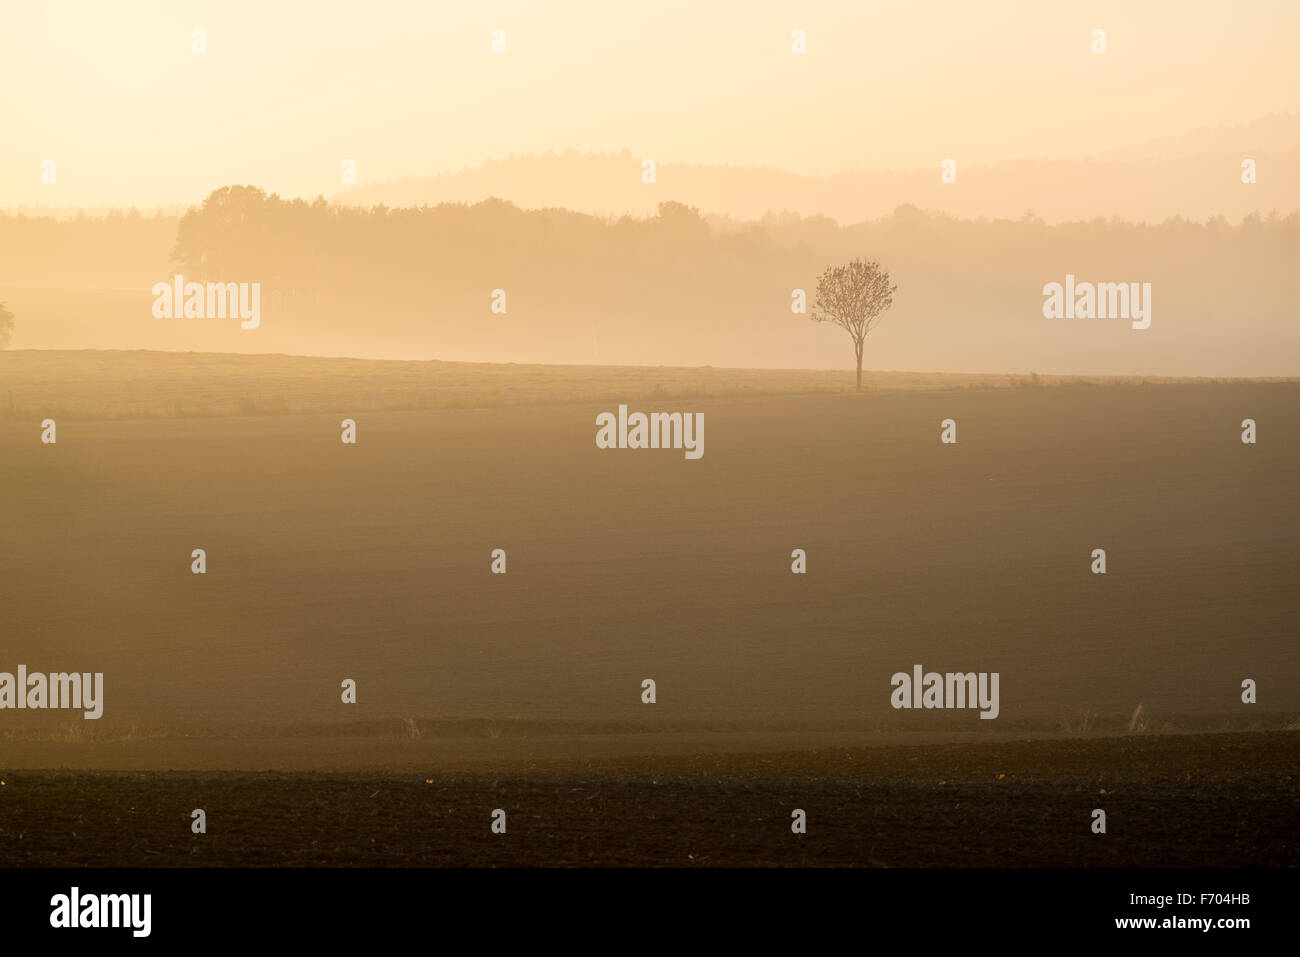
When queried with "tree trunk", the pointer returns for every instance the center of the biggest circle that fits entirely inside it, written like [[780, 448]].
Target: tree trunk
[[858, 349]]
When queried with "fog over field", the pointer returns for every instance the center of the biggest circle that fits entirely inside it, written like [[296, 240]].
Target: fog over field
[[372, 562], [492, 282], [729, 434]]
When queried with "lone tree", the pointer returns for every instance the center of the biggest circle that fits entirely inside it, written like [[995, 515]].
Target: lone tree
[[6, 325], [853, 297]]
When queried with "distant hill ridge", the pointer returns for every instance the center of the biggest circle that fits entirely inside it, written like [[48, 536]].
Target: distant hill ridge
[[1196, 176]]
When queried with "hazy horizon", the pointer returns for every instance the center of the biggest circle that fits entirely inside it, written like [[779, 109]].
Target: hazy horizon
[[1193, 176]]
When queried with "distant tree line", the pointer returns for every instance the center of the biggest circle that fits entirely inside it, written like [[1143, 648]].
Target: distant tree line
[[670, 288]]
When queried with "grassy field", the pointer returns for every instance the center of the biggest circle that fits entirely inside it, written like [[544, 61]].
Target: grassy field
[[371, 562]]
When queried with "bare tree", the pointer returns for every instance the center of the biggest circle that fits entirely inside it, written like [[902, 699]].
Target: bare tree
[[6, 325], [853, 297]]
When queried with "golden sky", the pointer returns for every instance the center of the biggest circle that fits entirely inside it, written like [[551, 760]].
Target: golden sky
[[114, 94]]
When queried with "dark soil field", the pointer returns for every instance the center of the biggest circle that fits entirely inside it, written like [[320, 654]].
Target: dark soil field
[[1225, 800]]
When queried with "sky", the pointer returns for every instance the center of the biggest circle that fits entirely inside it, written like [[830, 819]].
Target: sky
[[286, 91]]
